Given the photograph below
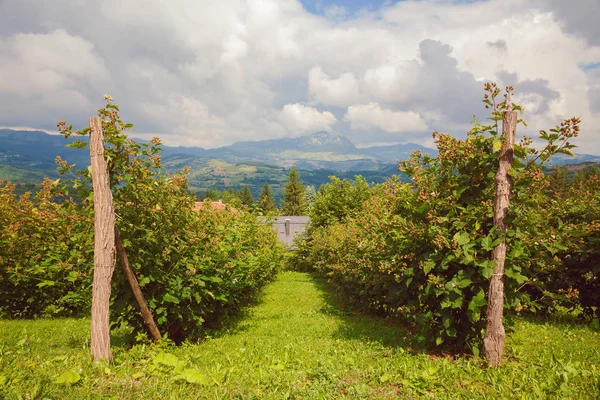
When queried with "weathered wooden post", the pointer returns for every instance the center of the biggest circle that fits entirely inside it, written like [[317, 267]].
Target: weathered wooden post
[[104, 244], [135, 287], [494, 333]]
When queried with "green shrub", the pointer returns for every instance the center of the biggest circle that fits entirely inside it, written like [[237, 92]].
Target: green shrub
[[44, 270], [421, 251], [194, 266]]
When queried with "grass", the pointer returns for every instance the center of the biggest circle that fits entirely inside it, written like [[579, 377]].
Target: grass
[[297, 343]]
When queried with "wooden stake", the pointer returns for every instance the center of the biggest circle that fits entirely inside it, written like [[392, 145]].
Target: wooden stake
[[135, 287], [104, 244], [494, 333]]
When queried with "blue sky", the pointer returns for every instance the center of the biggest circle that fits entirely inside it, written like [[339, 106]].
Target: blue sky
[[319, 6]]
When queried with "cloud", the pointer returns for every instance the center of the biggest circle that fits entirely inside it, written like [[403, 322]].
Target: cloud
[[578, 18], [212, 73], [299, 118], [594, 90], [499, 45], [43, 73], [335, 11], [369, 116], [335, 92], [534, 95]]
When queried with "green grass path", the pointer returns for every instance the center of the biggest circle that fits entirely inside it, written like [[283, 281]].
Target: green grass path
[[296, 343]]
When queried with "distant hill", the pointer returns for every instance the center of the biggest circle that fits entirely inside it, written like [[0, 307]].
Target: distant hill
[[27, 156], [211, 173], [319, 150]]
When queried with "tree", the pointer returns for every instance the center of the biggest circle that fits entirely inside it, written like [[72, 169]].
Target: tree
[[266, 203], [558, 182], [245, 196], [294, 197], [338, 199], [230, 197], [311, 196]]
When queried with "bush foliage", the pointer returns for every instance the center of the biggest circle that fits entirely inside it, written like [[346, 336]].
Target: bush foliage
[[194, 266], [421, 251], [44, 269]]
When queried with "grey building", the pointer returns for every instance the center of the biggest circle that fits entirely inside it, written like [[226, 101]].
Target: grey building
[[288, 227]]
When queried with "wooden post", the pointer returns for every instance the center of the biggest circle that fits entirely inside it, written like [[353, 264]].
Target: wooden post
[[104, 244], [494, 333], [135, 287]]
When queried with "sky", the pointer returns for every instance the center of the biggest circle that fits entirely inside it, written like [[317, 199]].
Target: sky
[[210, 73]]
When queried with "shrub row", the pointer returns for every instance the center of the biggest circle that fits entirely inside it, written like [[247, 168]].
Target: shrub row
[[195, 266], [421, 251]]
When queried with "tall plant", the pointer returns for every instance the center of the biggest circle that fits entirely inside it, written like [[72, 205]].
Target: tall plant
[[294, 196]]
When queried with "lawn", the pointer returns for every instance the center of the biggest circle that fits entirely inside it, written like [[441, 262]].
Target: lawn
[[297, 343]]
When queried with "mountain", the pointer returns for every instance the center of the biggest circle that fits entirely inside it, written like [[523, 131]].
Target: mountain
[[26, 156], [320, 150], [396, 152], [37, 151]]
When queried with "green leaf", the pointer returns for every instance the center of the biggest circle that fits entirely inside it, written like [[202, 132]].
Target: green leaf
[[497, 144], [428, 266], [487, 243], [170, 298], [462, 238], [68, 377], [168, 359], [277, 367], [46, 283], [193, 376], [464, 283]]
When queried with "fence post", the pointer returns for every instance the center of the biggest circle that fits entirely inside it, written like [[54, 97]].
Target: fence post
[[135, 287], [104, 244], [494, 333]]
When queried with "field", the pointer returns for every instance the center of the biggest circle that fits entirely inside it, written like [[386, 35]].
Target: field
[[298, 342]]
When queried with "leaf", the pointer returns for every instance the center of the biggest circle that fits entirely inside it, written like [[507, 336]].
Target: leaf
[[497, 144], [277, 367], [68, 377], [428, 266], [384, 378], [193, 376], [487, 243], [462, 238], [46, 283], [464, 283], [168, 359], [170, 298]]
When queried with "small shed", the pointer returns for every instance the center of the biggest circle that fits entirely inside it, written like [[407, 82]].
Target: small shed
[[288, 227]]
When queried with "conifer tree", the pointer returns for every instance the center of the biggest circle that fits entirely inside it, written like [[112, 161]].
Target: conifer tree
[[294, 197], [266, 203], [311, 196], [245, 196], [557, 182]]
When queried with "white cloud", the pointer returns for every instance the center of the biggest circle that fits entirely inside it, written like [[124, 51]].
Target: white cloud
[[300, 118], [369, 116], [335, 11], [214, 72], [334, 92]]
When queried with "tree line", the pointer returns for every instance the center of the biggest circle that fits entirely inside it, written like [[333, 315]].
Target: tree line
[[297, 197]]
